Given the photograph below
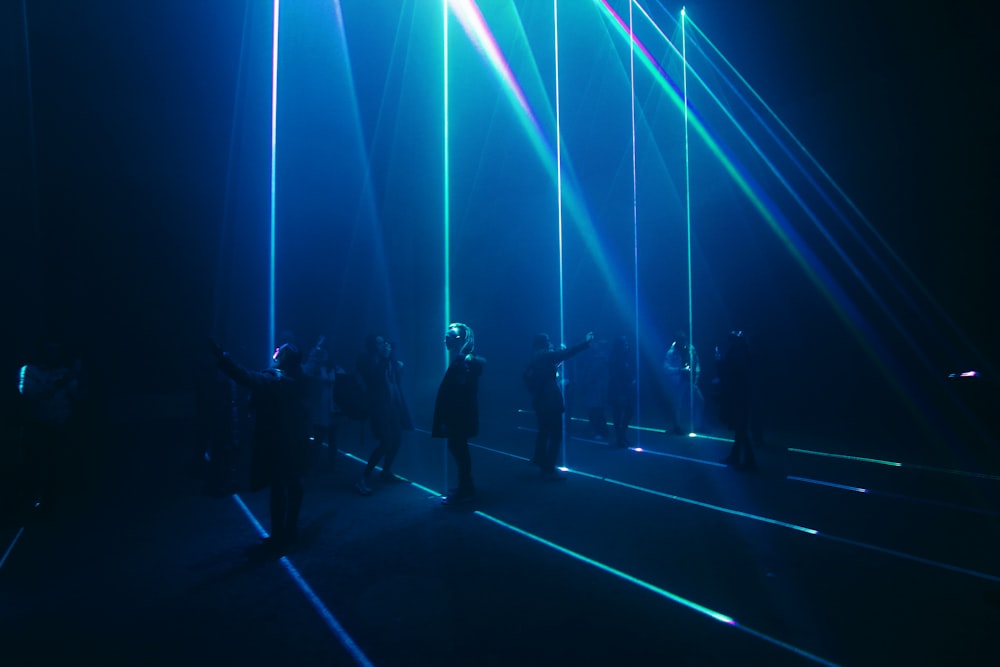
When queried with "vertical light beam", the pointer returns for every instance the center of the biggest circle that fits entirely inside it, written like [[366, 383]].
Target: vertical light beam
[[687, 216], [447, 185], [274, 136], [635, 222], [559, 208]]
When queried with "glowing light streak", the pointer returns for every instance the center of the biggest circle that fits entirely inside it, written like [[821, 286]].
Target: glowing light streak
[[635, 220], [845, 457], [274, 170], [915, 559], [714, 508], [756, 517], [715, 464], [687, 207], [10, 548], [702, 436], [898, 496], [446, 179], [830, 484], [562, 295], [841, 193], [20, 379], [895, 464], [328, 618], [815, 270], [475, 26], [572, 206], [610, 570]]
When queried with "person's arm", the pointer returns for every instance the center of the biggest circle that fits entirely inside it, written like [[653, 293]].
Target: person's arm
[[563, 355], [239, 374]]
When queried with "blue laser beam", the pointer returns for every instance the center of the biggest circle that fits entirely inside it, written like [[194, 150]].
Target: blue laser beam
[[325, 614]]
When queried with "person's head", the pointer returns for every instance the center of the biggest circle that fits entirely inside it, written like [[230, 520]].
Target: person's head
[[681, 339], [378, 346], [459, 338], [287, 358], [541, 343]]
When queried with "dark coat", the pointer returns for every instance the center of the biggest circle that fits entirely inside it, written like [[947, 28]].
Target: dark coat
[[736, 386], [547, 397], [281, 422], [386, 401], [456, 408]]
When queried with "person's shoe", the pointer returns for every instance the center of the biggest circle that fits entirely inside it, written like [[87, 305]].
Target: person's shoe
[[553, 476], [363, 488], [390, 478], [268, 548], [458, 497]]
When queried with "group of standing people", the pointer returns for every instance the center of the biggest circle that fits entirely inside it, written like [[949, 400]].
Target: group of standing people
[[283, 420], [283, 424]]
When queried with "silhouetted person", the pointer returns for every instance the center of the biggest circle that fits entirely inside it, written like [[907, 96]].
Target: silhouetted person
[[456, 408], [320, 374], [216, 401], [683, 370], [281, 441], [49, 385], [547, 400], [621, 389], [389, 412], [736, 399], [594, 388]]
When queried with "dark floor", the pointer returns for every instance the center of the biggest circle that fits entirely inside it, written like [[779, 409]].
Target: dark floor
[[637, 559]]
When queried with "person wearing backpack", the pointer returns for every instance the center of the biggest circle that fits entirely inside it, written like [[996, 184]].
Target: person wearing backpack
[[547, 400]]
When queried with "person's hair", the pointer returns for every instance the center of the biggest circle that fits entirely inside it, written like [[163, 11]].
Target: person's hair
[[540, 341], [289, 359], [466, 335]]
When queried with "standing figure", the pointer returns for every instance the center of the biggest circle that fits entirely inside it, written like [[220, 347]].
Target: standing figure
[[621, 389], [736, 399], [388, 409], [280, 442], [547, 400], [320, 374], [49, 385], [594, 388], [683, 370], [456, 408]]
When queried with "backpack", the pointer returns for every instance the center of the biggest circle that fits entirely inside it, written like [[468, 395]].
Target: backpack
[[349, 395]]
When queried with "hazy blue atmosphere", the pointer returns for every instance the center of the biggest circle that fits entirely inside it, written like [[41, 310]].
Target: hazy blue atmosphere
[[137, 191]]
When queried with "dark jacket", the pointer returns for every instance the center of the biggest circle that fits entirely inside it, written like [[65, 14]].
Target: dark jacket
[[386, 401], [281, 422], [456, 408], [546, 395]]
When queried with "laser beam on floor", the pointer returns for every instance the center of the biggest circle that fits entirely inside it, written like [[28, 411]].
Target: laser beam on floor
[[328, 618]]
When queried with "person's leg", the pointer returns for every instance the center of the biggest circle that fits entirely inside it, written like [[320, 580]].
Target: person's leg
[[553, 444], [540, 439], [459, 449], [362, 486], [279, 510], [295, 494], [391, 448]]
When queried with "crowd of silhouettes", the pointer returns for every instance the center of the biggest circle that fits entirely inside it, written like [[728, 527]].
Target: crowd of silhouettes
[[296, 402]]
